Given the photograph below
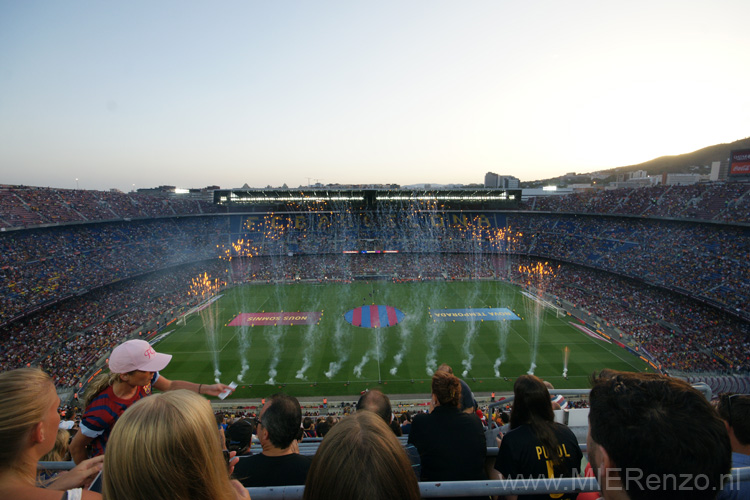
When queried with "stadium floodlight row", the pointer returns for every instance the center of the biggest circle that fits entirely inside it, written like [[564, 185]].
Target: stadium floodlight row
[[281, 200]]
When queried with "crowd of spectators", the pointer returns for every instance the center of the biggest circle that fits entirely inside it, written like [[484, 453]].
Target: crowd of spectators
[[71, 292], [23, 206], [682, 334], [46, 264], [705, 261], [41, 266], [182, 454], [66, 339], [717, 201]]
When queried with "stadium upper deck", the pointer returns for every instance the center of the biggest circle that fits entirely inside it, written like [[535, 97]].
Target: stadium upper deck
[[26, 207]]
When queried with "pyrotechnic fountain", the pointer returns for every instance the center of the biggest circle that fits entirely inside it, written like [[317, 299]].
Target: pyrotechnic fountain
[[275, 336], [311, 338], [537, 277], [342, 346], [239, 257], [472, 328], [504, 243], [207, 289], [405, 331], [375, 352]]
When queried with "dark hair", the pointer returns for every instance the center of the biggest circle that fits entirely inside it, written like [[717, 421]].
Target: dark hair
[[532, 407], [661, 427], [396, 428], [446, 388], [735, 409], [376, 402], [282, 418], [361, 459], [322, 428], [239, 435]]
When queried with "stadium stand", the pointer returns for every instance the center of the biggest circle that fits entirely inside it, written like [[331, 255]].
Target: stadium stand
[[716, 201], [678, 288]]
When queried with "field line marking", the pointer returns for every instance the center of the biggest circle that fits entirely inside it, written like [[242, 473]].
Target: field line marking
[[616, 351], [521, 336]]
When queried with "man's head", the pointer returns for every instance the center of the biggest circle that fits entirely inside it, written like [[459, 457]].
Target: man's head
[[279, 421], [378, 403], [654, 437], [734, 409], [239, 436]]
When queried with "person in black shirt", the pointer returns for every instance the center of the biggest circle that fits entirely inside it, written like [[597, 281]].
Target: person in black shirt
[[450, 442], [536, 446], [278, 464]]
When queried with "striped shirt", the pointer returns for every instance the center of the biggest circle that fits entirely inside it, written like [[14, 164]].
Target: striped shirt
[[102, 413]]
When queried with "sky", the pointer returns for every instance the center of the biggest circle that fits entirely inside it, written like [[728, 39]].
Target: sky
[[100, 95]]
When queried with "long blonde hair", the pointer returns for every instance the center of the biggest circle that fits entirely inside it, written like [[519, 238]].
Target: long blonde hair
[[25, 396], [59, 452], [166, 446], [100, 382]]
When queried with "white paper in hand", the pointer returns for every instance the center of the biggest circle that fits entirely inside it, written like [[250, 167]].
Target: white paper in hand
[[227, 392]]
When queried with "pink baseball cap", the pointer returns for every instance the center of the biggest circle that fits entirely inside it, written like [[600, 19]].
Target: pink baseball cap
[[137, 355]]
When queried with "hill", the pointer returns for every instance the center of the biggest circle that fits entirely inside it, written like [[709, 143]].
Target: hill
[[682, 163], [697, 162]]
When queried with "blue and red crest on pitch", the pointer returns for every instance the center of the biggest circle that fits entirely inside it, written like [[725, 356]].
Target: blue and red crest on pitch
[[374, 316]]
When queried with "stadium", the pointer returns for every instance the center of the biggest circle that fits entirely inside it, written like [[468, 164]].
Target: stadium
[[654, 277], [331, 293]]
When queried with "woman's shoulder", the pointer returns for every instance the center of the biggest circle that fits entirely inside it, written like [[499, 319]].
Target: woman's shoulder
[[419, 417], [564, 430]]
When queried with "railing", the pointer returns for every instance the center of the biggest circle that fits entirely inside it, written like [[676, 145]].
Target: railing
[[448, 489]]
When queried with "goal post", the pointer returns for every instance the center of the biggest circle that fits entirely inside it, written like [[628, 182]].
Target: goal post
[[558, 311]]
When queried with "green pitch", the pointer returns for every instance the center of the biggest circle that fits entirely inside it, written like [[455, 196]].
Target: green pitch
[[334, 357]]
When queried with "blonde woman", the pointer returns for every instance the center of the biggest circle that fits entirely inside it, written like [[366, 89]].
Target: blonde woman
[[28, 430], [134, 367], [166, 446]]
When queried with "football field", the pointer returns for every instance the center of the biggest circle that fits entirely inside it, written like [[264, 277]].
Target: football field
[[340, 339]]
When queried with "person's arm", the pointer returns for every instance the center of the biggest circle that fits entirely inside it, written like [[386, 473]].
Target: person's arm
[[164, 384], [79, 476], [78, 447]]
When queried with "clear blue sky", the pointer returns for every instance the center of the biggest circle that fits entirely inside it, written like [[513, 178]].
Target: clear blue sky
[[194, 93]]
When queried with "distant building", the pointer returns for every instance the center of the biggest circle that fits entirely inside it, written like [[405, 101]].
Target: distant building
[[636, 183], [493, 180], [681, 179]]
